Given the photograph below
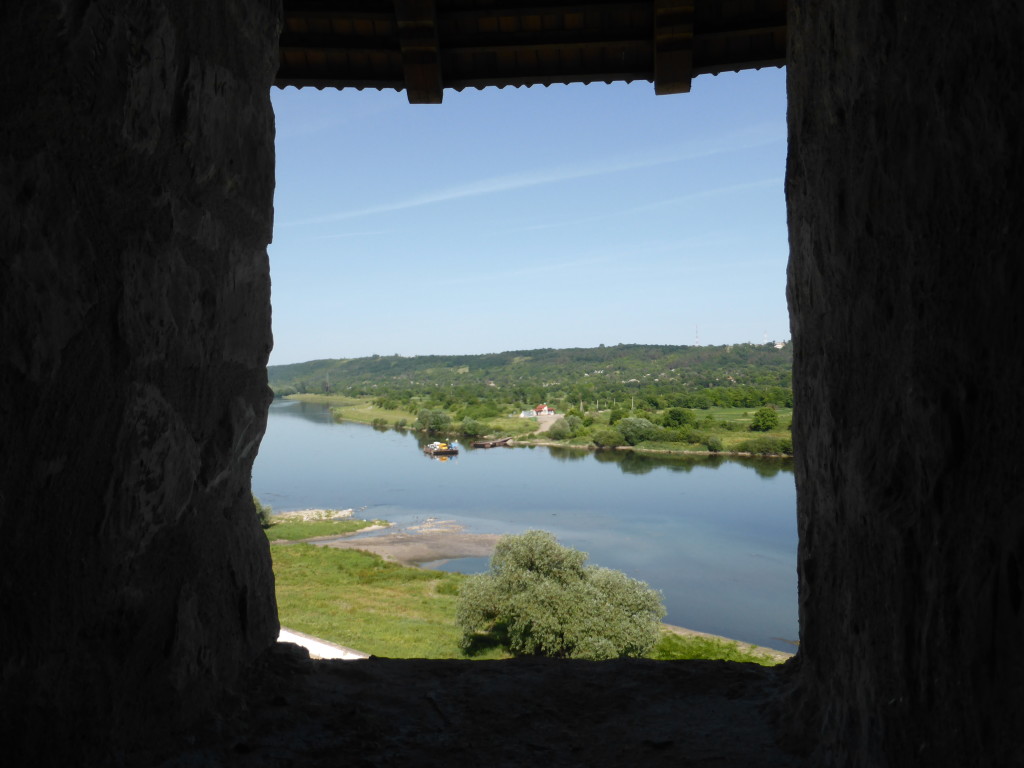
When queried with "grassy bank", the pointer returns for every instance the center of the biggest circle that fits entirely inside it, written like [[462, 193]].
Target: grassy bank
[[358, 600], [284, 529], [294, 531]]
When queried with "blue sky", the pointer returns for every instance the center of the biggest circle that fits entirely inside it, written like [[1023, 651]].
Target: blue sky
[[568, 216]]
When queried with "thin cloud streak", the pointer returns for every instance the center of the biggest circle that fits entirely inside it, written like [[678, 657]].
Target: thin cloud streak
[[704, 194], [666, 203], [343, 235], [540, 177], [508, 275]]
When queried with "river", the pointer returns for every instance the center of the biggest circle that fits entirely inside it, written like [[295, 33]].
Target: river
[[716, 535]]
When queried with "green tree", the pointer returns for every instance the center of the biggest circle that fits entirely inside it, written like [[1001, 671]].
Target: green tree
[[636, 430], [679, 417], [608, 437], [473, 428], [560, 430], [433, 420], [541, 598], [765, 419]]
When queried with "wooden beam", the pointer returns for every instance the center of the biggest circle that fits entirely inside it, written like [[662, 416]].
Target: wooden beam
[[673, 46], [421, 57]]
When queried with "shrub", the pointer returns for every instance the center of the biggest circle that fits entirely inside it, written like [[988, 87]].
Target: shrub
[[473, 428], [434, 420], [636, 430], [767, 446], [681, 435], [713, 444], [765, 419], [542, 599], [608, 437], [560, 430], [678, 417]]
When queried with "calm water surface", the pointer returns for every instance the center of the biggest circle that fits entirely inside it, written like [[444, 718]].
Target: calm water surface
[[716, 536]]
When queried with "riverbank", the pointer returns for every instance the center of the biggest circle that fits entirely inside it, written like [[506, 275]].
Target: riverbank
[[646, 450], [361, 411], [431, 541], [313, 524], [437, 540]]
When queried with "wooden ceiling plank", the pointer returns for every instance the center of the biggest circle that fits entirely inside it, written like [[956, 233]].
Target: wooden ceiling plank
[[425, 46], [591, 45], [421, 56], [673, 46]]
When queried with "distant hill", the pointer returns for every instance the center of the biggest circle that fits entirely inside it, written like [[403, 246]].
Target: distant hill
[[525, 375]]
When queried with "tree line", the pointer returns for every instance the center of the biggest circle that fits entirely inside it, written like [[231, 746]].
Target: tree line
[[633, 376]]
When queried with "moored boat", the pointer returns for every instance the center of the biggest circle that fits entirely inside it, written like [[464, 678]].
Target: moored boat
[[491, 443], [441, 449]]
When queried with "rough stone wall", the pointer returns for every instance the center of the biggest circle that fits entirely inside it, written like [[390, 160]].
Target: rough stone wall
[[136, 180], [905, 187]]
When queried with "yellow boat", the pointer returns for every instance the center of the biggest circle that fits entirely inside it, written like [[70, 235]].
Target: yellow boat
[[441, 449]]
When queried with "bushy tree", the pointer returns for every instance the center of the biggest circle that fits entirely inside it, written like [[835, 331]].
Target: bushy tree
[[473, 428], [682, 435], [560, 430], [548, 603], [637, 430], [608, 437], [765, 419], [679, 417], [433, 420]]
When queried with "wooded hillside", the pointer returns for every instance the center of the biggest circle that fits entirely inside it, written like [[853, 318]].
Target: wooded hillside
[[693, 377]]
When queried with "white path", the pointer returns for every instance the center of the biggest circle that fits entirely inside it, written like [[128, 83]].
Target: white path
[[319, 649]]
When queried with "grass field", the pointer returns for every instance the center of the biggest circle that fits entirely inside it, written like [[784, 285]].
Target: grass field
[[672, 646], [295, 530], [358, 600]]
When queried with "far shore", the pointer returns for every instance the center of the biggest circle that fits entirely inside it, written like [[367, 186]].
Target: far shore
[[339, 401], [638, 449]]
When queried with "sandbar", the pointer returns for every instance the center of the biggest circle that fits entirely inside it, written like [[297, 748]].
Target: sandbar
[[424, 543]]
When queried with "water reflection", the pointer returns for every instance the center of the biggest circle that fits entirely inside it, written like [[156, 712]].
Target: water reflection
[[764, 467], [561, 453]]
